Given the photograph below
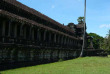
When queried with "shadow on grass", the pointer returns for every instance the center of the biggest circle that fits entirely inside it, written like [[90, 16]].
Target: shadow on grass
[[8, 66]]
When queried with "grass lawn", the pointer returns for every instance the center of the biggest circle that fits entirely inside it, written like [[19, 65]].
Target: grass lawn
[[87, 65]]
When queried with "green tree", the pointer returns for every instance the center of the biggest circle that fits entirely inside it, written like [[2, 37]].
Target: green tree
[[80, 20], [97, 40], [106, 43]]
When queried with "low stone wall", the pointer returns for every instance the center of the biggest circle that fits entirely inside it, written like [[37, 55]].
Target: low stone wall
[[13, 55]]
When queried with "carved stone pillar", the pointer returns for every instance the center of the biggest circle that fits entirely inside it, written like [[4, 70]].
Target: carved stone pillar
[[45, 35], [50, 37], [70, 42], [9, 30], [55, 38], [3, 30], [21, 30], [58, 38], [38, 35], [62, 40], [24, 32], [73, 42], [30, 32], [15, 31], [33, 34], [67, 41]]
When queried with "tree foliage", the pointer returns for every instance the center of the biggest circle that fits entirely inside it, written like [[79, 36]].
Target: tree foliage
[[106, 43], [97, 40], [80, 20]]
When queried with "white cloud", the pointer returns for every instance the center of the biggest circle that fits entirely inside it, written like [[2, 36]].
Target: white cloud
[[104, 26], [53, 6]]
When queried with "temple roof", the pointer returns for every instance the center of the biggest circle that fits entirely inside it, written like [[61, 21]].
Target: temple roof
[[33, 11], [22, 19], [79, 25]]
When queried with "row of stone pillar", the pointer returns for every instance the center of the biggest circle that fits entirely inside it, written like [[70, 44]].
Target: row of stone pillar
[[28, 32]]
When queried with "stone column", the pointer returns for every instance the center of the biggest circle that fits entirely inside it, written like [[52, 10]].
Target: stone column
[[45, 35], [67, 41], [24, 32], [58, 38], [3, 30], [73, 42], [32, 34], [38, 35], [55, 38], [21, 30], [15, 31], [50, 37], [70, 42], [62, 40], [9, 30]]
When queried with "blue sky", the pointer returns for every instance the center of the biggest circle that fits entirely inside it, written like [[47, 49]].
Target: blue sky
[[66, 11]]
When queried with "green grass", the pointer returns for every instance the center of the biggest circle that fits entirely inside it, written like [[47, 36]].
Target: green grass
[[87, 65]]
